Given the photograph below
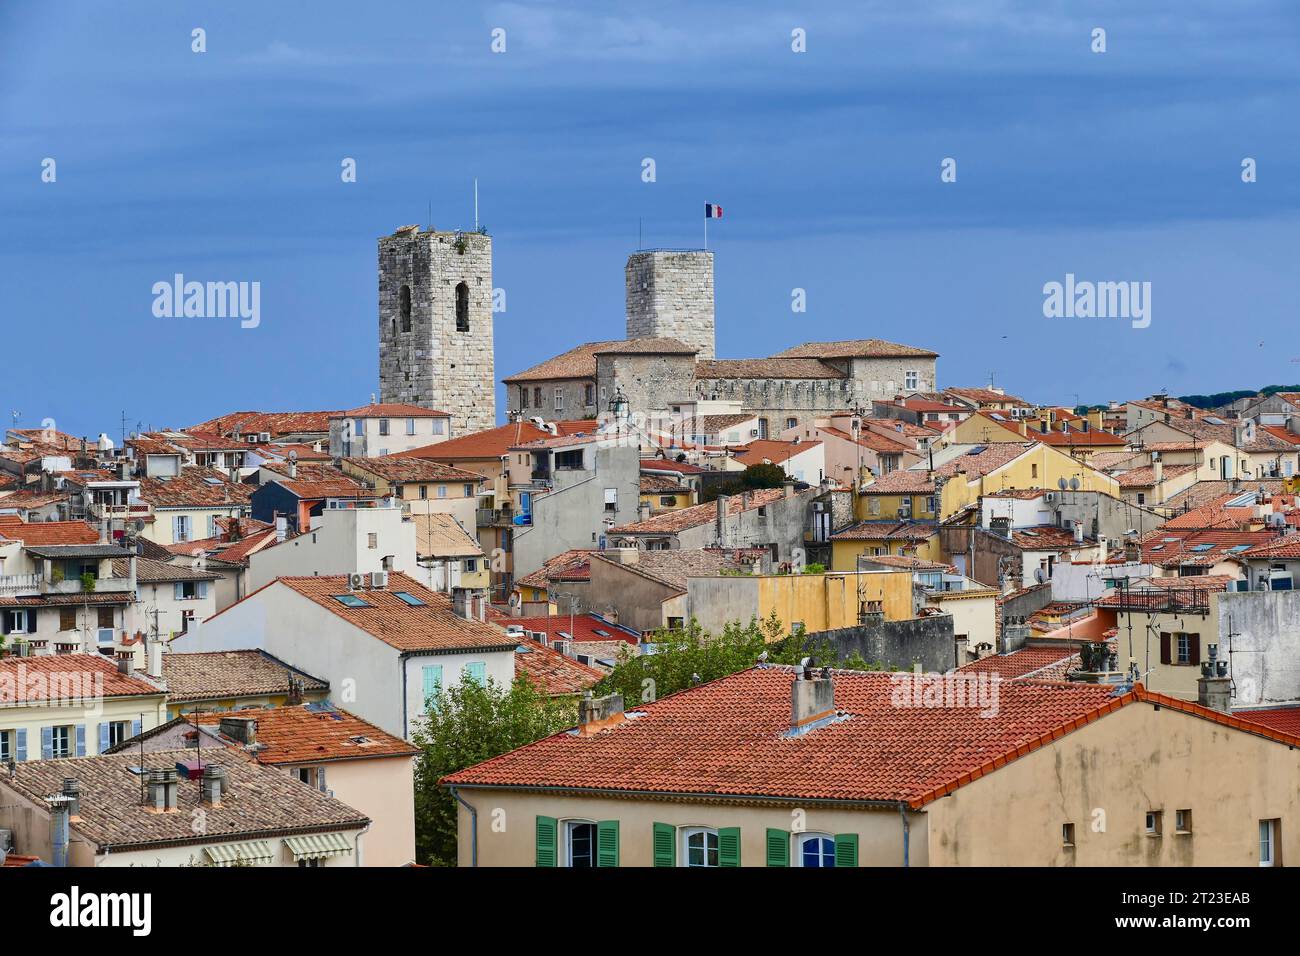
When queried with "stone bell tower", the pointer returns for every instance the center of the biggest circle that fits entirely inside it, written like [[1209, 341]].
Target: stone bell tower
[[435, 324], [670, 295]]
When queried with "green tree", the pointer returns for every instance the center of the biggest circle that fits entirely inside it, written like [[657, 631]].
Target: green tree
[[469, 724], [761, 475]]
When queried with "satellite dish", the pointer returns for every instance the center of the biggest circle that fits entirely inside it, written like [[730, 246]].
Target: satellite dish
[[293, 455], [1074, 484], [1060, 483], [1040, 575], [139, 524]]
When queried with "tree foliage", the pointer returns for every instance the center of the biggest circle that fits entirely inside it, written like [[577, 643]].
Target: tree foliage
[[472, 723], [761, 475]]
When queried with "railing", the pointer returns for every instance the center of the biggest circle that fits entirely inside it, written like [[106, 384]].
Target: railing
[[99, 510], [11, 584]]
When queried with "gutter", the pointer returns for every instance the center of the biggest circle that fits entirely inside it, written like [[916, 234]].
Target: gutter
[[473, 825], [907, 835]]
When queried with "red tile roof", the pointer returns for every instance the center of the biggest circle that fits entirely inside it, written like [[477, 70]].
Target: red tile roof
[[194, 487], [671, 522], [276, 423], [582, 627], [491, 443], [390, 410], [553, 673], [887, 531], [855, 348], [37, 533], [805, 368], [1283, 719], [310, 733], [63, 677], [729, 737], [774, 452], [1025, 662], [572, 565]]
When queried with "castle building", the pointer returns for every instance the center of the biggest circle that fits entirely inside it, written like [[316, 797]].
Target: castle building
[[667, 361], [435, 325]]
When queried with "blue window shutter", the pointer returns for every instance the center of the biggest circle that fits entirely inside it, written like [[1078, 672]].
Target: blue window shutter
[[135, 728], [81, 740], [47, 743], [20, 749], [103, 737], [477, 672]]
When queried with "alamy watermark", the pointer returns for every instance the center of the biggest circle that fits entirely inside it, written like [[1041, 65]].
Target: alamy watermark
[[1083, 299], [209, 300], [979, 691]]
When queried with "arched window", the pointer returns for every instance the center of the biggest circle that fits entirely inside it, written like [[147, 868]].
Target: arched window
[[406, 308], [462, 307]]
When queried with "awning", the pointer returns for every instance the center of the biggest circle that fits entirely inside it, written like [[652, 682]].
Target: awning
[[317, 845], [228, 854]]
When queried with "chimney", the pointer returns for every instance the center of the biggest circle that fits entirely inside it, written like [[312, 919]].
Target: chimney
[[162, 788], [460, 602], [294, 697], [812, 697], [59, 815], [788, 485], [1214, 688], [281, 527], [597, 713], [624, 555], [1158, 471], [72, 790], [243, 729], [153, 655], [126, 665], [724, 502], [293, 469], [643, 511], [214, 785]]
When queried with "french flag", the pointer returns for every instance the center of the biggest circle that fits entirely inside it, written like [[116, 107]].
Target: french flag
[[711, 211]]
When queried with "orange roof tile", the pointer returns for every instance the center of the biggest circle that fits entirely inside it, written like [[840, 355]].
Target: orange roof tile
[[64, 677], [37, 533], [311, 733]]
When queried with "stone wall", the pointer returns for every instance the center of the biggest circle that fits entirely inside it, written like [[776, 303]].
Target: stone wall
[[651, 383], [670, 295], [572, 404], [896, 645], [434, 365]]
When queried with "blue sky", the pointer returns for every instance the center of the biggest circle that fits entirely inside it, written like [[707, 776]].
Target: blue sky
[[225, 166]]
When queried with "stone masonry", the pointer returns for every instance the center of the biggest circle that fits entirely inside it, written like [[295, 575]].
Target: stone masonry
[[670, 295], [435, 324]]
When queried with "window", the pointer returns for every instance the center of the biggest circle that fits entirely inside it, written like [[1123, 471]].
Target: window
[[1033, 471], [873, 506], [404, 306], [442, 491], [667, 501], [350, 600], [477, 672], [116, 731], [580, 843], [559, 398], [359, 427], [60, 742], [18, 621], [424, 491], [383, 426], [6, 746], [537, 396], [932, 504], [462, 307], [67, 619], [611, 499], [1067, 835], [410, 426], [815, 849], [406, 598], [372, 540], [181, 528], [1268, 842], [314, 862], [1154, 819], [190, 590], [468, 491], [1184, 649], [589, 394], [701, 847], [471, 565], [791, 423], [762, 428], [431, 681], [1142, 499], [104, 617], [523, 396], [1183, 821], [910, 380], [438, 426]]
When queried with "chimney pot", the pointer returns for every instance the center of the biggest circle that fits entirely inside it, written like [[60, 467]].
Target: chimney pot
[[597, 713], [812, 698]]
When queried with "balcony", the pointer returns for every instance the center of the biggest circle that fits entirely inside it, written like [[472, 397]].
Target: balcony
[[14, 584], [98, 511]]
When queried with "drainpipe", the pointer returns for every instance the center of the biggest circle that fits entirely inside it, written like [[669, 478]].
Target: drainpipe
[[907, 835], [473, 826]]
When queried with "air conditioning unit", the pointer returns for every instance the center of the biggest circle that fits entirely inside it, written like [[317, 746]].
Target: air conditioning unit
[[819, 506], [379, 579], [264, 436], [1050, 497], [753, 433], [356, 581]]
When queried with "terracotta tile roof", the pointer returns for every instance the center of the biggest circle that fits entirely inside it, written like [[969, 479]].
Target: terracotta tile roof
[[663, 464], [566, 566], [1027, 662], [261, 802], [904, 482], [193, 440], [1203, 548], [38, 533], [1282, 719], [985, 396], [220, 675], [395, 468], [662, 485], [1145, 477], [805, 368], [716, 423], [878, 443], [327, 488], [1212, 515], [1044, 538], [390, 410], [148, 571], [491, 443], [27, 680], [578, 362], [728, 737], [31, 500], [194, 487], [908, 561], [1204, 492], [672, 522], [1285, 547], [855, 348], [239, 551], [553, 673], [281, 452], [647, 346], [311, 733], [774, 452], [915, 531], [440, 535], [432, 627], [277, 424], [580, 627], [570, 440]]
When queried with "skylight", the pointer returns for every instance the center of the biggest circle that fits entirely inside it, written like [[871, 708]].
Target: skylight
[[410, 599], [350, 600], [1203, 547]]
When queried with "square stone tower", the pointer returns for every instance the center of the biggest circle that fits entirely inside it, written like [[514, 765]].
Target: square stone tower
[[670, 295], [435, 324]]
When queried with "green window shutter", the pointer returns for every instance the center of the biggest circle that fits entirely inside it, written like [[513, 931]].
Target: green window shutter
[[607, 843], [546, 830], [778, 848], [846, 849], [665, 844], [729, 846]]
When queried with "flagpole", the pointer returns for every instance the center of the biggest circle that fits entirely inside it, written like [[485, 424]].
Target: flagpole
[[706, 229]]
